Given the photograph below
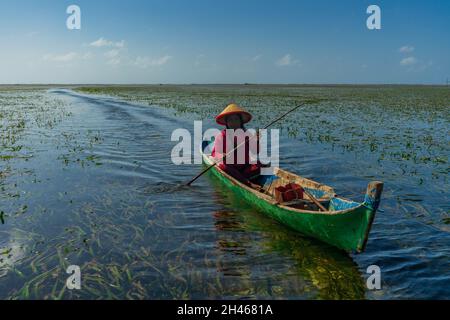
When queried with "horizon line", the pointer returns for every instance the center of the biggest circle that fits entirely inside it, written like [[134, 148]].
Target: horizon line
[[224, 84]]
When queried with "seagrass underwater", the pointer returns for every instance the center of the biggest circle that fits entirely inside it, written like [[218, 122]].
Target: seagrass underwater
[[110, 170]]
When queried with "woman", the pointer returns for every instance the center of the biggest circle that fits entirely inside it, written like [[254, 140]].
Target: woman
[[234, 118]]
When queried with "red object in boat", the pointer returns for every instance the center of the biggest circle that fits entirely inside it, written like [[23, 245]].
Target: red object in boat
[[289, 192]]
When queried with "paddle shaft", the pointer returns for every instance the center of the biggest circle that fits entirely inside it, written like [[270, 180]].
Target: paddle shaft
[[314, 200], [216, 162]]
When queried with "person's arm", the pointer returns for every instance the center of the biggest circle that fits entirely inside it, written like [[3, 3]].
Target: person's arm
[[218, 148]]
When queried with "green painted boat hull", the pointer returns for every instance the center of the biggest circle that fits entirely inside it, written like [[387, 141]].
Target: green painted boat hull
[[344, 229]]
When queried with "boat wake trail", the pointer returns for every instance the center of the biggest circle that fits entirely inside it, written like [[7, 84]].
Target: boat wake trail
[[164, 187]]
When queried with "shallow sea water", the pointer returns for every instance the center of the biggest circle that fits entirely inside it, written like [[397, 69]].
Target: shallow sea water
[[93, 185]]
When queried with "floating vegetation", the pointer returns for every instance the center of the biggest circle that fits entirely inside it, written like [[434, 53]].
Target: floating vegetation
[[89, 182], [397, 123]]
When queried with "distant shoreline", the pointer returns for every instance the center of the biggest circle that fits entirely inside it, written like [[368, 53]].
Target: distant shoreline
[[293, 85]]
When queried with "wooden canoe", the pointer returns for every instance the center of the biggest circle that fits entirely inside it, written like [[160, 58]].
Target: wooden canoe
[[346, 224]]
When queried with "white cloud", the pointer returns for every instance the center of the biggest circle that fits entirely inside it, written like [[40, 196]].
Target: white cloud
[[406, 49], [256, 58], [286, 60], [409, 61], [120, 44], [114, 61], [67, 57], [113, 57], [161, 61], [416, 65], [102, 42], [112, 53], [146, 62]]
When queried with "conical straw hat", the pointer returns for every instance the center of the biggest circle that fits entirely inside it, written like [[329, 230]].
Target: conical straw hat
[[233, 109]]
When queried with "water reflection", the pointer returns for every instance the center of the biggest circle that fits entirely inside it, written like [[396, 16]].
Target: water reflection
[[290, 265]]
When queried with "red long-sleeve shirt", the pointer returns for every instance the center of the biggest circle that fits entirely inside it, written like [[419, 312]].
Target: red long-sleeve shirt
[[242, 164]]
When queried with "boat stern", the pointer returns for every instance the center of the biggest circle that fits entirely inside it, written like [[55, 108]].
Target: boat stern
[[373, 195], [371, 202]]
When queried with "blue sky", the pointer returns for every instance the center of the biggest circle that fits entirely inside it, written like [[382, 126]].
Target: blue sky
[[200, 41]]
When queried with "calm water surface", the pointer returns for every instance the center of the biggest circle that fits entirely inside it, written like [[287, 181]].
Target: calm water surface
[[98, 189]]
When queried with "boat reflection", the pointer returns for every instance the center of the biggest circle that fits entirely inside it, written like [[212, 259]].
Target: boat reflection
[[284, 263]]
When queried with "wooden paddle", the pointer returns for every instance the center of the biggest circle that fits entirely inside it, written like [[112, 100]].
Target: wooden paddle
[[321, 207]]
